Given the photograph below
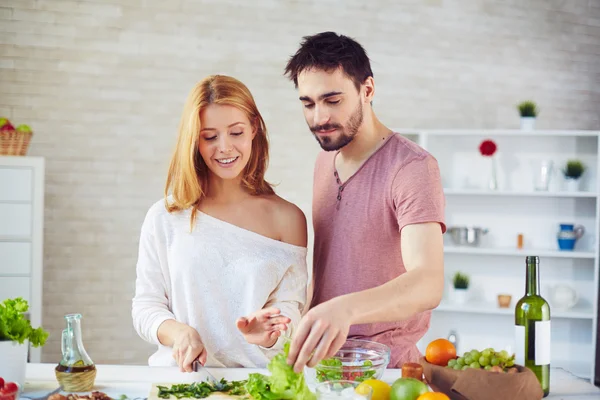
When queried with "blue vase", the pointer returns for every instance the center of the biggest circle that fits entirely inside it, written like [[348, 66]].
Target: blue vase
[[568, 235]]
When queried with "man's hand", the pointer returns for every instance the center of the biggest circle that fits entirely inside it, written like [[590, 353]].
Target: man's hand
[[263, 327], [187, 346], [320, 334]]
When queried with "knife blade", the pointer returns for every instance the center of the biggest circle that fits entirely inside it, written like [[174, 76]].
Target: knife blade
[[198, 367]]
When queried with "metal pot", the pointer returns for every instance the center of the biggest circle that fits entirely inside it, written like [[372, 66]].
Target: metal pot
[[466, 236]]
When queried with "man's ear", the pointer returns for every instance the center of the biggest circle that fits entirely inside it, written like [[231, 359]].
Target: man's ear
[[369, 89]]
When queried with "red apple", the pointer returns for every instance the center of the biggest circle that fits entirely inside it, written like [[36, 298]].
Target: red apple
[[5, 125]]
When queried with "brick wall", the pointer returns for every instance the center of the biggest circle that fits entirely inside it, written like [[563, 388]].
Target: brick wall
[[102, 83]]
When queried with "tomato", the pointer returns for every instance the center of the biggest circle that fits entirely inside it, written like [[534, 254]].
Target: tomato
[[10, 387], [8, 390], [12, 396]]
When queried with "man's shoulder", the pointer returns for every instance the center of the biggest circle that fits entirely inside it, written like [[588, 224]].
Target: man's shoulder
[[402, 152]]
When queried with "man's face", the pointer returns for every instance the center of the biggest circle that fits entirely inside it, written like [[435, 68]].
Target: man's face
[[332, 107]]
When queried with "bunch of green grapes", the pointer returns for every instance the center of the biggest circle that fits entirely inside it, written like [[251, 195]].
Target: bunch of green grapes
[[488, 359]]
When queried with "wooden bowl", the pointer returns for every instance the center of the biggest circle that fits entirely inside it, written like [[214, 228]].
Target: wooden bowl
[[479, 384]]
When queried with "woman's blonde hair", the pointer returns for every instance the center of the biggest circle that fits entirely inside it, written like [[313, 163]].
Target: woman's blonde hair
[[187, 179]]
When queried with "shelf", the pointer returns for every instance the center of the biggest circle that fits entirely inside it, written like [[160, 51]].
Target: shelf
[[499, 132], [15, 201], [4, 238], [500, 193], [580, 369], [493, 309], [519, 253]]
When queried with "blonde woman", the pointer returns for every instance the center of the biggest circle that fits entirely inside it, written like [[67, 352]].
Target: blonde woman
[[221, 271]]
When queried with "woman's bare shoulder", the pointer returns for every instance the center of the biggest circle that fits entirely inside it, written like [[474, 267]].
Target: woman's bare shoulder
[[289, 220]]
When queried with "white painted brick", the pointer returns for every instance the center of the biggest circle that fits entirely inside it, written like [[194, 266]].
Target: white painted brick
[[6, 13], [27, 17]]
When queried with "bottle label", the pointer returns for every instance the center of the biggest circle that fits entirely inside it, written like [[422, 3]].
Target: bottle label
[[519, 344], [533, 345], [542, 342]]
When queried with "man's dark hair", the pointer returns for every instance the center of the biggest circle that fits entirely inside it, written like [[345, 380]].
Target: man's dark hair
[[329, 51]]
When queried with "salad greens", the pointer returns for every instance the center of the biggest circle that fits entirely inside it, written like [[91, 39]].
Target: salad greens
[[332, 369], [15, 327], [282, 384], [200, 390]]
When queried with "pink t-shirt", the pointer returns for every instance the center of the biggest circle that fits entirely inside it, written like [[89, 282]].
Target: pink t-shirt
[[357, 231]]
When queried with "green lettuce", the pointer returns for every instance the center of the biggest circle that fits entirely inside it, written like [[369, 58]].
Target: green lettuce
[[15, 327], [283, 383]]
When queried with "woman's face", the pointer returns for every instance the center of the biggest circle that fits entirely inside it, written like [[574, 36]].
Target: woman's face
[[225, 141]]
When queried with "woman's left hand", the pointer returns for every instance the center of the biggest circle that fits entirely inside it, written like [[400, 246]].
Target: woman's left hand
[[263, 327]]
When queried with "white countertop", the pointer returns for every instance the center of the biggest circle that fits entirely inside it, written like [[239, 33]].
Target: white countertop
[[135, 381]]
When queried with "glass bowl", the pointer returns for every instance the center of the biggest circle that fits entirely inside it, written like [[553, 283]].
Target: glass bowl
[[333, 390], [357, 360]]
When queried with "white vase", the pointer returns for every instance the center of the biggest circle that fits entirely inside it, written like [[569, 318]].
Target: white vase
[[460, 296], [14, 361], [527, 123], [493, 182], [572, 185]]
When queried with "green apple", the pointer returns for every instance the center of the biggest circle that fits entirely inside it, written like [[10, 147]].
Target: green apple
[[407, 389], [23, 128]]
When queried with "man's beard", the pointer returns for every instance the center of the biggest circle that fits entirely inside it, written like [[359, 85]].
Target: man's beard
[[347, 134]]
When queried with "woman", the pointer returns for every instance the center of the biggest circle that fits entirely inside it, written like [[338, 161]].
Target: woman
[[221, 273]]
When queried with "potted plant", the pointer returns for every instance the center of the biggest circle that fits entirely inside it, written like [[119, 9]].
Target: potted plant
[[461, 287], [572, 172], [528, 111], [16, 334]]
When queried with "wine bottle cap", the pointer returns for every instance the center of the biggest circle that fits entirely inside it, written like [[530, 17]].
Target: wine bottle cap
[[532, 260]]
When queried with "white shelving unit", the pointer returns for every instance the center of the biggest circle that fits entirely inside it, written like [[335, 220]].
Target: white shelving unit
[[497, 265], [22, 234]]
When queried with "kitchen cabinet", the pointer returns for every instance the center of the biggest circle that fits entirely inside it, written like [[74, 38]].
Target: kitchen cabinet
[[497, 265], [22, 234]]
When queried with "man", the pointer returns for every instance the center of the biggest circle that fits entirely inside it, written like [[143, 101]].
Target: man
[[378, 213]]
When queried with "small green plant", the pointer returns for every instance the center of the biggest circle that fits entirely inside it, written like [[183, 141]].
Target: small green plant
[[461, 281], [528, 109], [15, 327], [574, 169]]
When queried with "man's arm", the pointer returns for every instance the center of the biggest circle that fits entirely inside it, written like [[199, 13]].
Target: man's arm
[[419, 289], [324, 328]]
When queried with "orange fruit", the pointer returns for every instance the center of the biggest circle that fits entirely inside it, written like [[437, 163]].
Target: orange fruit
[[433, 396], [439, 352]]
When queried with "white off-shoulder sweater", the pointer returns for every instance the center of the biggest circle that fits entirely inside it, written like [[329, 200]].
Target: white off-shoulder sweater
[[208, 278]]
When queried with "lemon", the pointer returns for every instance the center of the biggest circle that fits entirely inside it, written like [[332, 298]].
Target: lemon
[[381, 390]]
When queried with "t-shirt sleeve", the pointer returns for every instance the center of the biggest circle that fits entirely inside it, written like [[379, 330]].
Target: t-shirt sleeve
[[418, 194]]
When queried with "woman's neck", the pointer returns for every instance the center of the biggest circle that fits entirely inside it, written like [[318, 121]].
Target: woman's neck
[[225, 191]]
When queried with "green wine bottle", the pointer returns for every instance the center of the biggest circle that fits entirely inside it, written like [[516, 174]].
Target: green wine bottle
[[532, 327]]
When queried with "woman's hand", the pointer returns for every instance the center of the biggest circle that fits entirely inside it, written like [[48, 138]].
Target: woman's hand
[[187, 346], [263, 327]]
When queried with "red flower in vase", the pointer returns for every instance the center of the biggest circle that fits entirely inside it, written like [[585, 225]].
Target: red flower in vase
[[487, 148]]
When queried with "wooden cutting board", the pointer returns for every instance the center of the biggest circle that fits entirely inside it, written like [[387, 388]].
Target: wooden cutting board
[[154, 393]]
